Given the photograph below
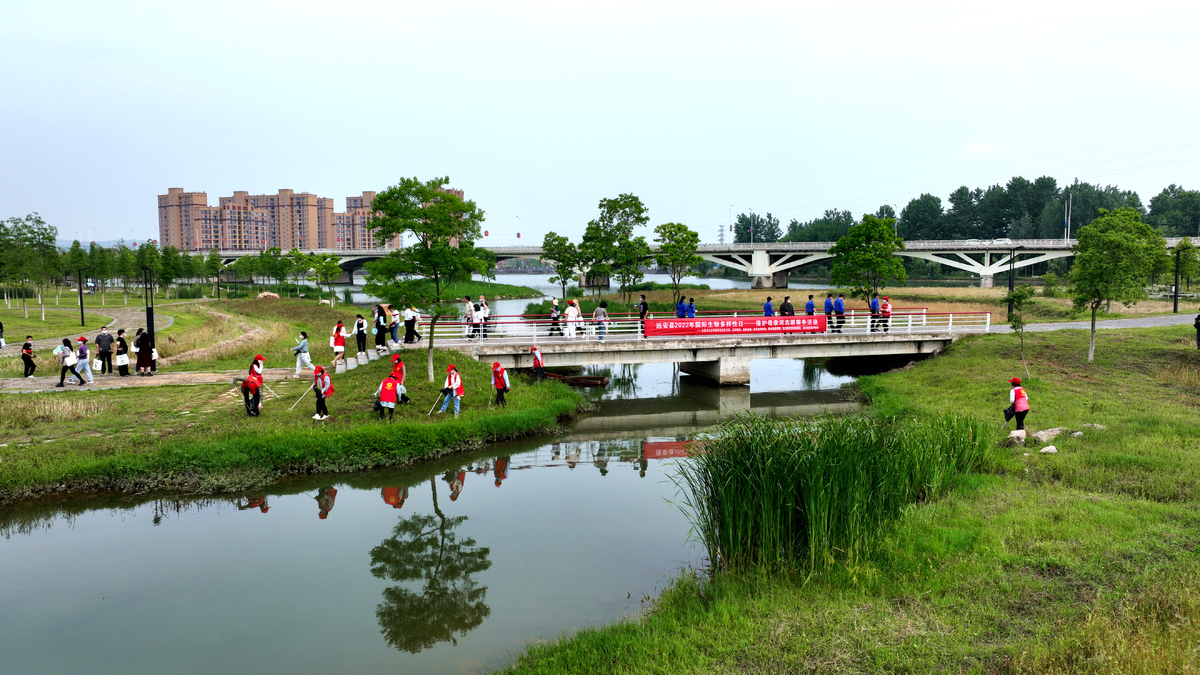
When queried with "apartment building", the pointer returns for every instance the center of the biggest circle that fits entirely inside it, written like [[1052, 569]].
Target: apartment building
[[287, 220]]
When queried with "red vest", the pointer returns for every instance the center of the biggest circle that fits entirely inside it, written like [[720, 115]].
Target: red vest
[[1020, 399], [319, 381], [387, 393], [537, 360], [498, 378], [398, 371], [339, 340]]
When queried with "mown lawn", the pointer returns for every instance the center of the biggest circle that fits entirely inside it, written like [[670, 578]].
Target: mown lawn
[[1085, 561]]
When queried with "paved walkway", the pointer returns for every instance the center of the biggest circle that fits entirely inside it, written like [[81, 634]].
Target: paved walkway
[[1181, 319]]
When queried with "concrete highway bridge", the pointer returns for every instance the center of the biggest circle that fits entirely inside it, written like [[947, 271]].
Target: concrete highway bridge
[[768, 265]]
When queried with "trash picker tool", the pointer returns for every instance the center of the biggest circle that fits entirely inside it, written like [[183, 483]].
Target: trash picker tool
[[310, 388], [439, 398]]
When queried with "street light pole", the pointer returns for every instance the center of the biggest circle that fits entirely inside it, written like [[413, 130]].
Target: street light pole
[[79, 281], [1177, 252], [1012, 258], [148, 285]]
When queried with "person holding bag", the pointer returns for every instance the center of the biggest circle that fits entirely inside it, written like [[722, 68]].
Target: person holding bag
[[141, 346], [323, 388], [252, 386], [399, 372], [360, 333], [338, 342], [386, 396], [501, 383], [68, 362], [122, 359], [452, 388], [380, 329], [104, 351], [83, 365], [28, 357]]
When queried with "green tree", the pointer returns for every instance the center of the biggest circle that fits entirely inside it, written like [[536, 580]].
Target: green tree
[[1113, 258], [677, 245], [75, 263], [831, 226], [126, 268], [298, 265], [148, 256], [100, 260], [922, 218], [33, 258], [864, 259], [563, 257], [445, 228], [213, 267], [753, 228], [1188, 260], [1176, 211], [326, 269], [628, 259], [271, 263], [1021, 298], [168, 267]]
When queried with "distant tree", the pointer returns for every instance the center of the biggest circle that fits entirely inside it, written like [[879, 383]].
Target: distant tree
[[271, 263], [149, 256], [885, 211], [1176, 212], [1188, 258], [831, 226], [864, 259], [1113, 258], [922, 218], [325, 269], [169, 267], [298, 265], [563, 257], [126, 268], [213, 267], [100, 260], [1020, 297], [627, 263], [753, 228], [1050, 284], [33, 256], [445, 228], [677, 245], [75, 262], [614, 225]]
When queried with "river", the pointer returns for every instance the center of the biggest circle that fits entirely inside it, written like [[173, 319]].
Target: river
[[452, 566]]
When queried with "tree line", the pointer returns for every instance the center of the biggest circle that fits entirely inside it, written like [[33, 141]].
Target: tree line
[[1020, 209]]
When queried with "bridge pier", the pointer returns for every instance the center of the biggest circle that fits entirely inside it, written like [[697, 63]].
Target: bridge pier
[[775, 280], [725, 371], [987, 281]]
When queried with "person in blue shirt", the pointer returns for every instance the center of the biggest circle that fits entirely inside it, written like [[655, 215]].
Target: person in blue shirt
[[768, 310], [681, 309], [810, 307], [874, 312], [839, 310], [828, 311], [691, 308]]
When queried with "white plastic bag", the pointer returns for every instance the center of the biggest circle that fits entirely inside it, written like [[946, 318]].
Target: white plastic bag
[[97, 364], [154, 354], [122, 359]]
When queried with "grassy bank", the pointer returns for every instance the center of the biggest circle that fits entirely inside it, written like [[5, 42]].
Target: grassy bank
[[199, 437], [1084, 561]]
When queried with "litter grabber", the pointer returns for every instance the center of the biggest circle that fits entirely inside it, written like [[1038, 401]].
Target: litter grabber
[[310, 388]]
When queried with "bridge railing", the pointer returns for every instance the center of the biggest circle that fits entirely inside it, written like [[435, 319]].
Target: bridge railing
[[624, 328]]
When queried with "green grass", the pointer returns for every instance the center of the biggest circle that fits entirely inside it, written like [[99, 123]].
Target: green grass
[[199, 437], [1087, 561], [58, 323], [492, 291]]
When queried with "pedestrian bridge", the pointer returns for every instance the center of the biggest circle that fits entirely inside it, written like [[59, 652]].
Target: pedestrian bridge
[[719, 347]]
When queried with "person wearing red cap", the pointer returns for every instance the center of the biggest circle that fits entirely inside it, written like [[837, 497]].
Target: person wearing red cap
[[501, 383], [399, 372], [452, 388], [338, 342], [1018, 403], [252, 386], [500, 470], [388, 394], [539, 366], [395, 497], [323, 387], [325, 498], [885, 313]]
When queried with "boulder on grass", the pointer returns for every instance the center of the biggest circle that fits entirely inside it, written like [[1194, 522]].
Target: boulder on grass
[[268, 295], [1016, 437], [1076, 434], [1047, 435], [1049, 450]]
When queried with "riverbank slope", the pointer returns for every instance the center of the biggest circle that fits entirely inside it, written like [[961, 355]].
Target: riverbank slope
[[1085, 560]]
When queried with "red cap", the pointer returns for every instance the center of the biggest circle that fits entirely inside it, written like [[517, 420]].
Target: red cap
[[1015, 380], [496, 365], [259, 357], [395, 358], [533, 349], [450, 367], [318, 369], [81, 339]]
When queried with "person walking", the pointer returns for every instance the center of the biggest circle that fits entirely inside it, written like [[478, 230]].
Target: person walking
[[681, 309], [399, 372], [338, 342], [122, 360], [828, 311], [768, 310], [785, 307], [394, 324], [468, 317], [484, 313], [643, 312], [69, 360], [691, 308], [810, 307], [573, 315], [84, 365], [388, 393], [501, 383], [104, 351], [539, 366], [555, 327], [839, 311], [1, 335], [1196, 323], [885, 313], [323, 387], [452, 388], [360, 333], [410, 325], [874, 312], [145, 358], [303, 360], [600, 316], [476, 321], [1018, 403], [252, 386], [27, 356]]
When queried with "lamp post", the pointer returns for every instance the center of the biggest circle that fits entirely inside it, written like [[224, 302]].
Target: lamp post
[[79, 281], [148, 286], [1177, 252]]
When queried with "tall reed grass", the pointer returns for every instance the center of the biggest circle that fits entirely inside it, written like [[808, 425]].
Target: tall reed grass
[[766, 492], [22, 412]]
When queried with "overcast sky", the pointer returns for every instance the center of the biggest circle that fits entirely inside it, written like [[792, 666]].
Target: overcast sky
[[539, 109]]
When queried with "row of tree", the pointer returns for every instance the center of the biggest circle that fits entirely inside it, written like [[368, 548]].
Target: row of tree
[[1021, 209]]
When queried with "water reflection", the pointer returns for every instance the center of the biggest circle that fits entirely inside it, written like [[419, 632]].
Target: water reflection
[[426, 549]]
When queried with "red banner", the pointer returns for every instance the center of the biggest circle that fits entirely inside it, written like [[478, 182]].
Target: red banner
[[665, 449], [736, 325]]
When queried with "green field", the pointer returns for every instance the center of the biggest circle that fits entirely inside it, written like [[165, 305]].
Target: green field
[[1084, 561], [58, 323]]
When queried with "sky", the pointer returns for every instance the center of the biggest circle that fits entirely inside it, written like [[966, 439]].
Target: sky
[[537, 110]]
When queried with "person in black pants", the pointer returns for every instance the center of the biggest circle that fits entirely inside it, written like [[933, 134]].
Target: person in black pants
[[104, 345], [66, 352], [122, 350], [360, 333], [27, 356]]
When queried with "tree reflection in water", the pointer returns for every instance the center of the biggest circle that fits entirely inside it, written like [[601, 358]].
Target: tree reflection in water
[[449, 605]]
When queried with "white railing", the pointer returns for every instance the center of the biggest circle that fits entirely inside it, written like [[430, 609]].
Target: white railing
[[538, 330]]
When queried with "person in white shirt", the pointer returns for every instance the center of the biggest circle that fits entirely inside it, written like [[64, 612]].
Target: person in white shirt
[[468, 316], [573, 316], [410, 325], [395, 324], [360, 333], [484, 313]]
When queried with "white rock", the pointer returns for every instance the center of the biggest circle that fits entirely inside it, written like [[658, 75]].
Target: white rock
[[1047, 435], [1049, 450], [1097, 427], [1077, 434]]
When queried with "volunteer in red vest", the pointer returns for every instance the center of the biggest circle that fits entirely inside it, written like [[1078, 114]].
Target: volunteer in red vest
[[395, 497], [1018, 403], [388, 394], [252, 386], [339, 343], [501, 383], [325, 499], [452, 388], [399, 372], [323, 387], [539, 366], [885, 312], [456, 483], [500, 470]]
